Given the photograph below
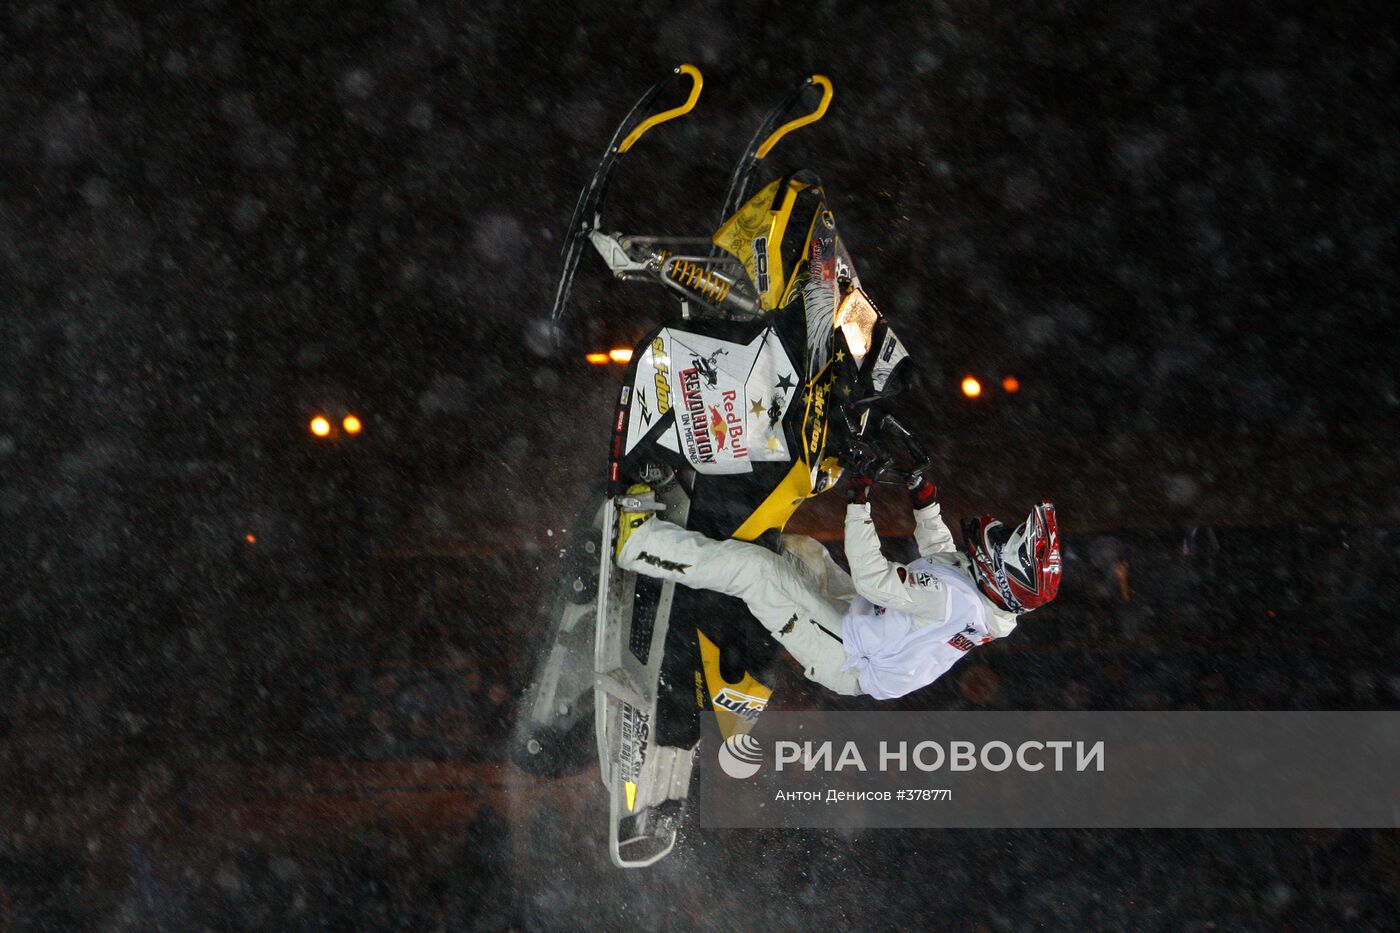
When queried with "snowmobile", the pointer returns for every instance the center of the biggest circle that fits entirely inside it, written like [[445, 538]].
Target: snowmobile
[[734, 410]]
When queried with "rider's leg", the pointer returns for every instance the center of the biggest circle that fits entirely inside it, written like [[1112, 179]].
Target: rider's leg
[[815, 562], [783, 599]]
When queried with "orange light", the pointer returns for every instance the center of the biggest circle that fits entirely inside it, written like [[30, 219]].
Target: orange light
[[597, 359], [620, 354], [351, 424], [971, 387], [320, 426], [1011, 384], [251, 538]]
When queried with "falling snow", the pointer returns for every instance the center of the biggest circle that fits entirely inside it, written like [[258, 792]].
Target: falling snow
[[253, 680]]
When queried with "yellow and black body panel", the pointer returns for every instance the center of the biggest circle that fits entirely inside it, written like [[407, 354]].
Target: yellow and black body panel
[[770, 234], [736, 705]]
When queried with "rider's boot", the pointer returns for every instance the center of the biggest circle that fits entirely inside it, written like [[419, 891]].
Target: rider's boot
[[636, 507]]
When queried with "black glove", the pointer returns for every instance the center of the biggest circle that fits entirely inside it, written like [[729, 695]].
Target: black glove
[[922, 492], [858, 489]]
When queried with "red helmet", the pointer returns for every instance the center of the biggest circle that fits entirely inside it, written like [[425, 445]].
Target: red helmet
[[1018, 570]]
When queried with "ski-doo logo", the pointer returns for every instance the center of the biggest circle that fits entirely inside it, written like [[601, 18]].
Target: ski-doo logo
[[742, 705], [662, 562], [741, 756], [663, 389], [760, 263], [817, 423]]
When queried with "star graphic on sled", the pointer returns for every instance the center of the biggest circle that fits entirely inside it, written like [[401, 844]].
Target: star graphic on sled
[[786, 382], [757, 407]]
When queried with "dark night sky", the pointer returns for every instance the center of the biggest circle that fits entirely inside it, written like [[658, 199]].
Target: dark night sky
[[1176, 224], [1169, 223]]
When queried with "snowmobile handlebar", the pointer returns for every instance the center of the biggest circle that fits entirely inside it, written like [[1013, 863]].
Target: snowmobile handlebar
[[697, 81], [869, 456], [890, 425]]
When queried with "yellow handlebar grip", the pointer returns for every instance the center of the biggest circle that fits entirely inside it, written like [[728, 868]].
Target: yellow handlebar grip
[[824, 83], [697, 81]]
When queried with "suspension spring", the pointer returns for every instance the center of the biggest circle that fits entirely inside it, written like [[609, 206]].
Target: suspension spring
[[708, 285]]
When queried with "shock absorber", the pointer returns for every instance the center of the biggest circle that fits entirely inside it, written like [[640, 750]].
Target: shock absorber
[[711, 286]]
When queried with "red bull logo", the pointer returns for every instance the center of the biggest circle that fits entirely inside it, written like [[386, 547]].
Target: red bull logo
[[717, 427], [731, 422]]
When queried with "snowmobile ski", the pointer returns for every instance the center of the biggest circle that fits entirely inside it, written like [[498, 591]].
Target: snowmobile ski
[[589, 209], [767, 136]]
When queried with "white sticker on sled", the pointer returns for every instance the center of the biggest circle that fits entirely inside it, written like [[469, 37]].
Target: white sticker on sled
[[652, 392], [729, 399], [710, 401], [892, 353], [770, 390]]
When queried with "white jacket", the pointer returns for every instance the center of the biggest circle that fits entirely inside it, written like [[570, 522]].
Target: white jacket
[[910, 623]]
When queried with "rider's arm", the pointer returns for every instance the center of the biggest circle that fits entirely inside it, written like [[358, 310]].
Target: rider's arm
[[877, 579], [930, 531]]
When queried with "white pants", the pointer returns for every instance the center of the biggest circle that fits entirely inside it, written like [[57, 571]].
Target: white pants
[[800, 596]]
